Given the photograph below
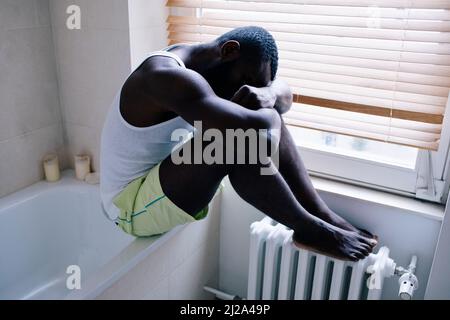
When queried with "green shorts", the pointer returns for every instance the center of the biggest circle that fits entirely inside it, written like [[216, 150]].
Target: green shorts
[[146, 211]]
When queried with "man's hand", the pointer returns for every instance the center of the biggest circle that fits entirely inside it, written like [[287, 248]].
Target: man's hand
[[277, 95], [255, 98]]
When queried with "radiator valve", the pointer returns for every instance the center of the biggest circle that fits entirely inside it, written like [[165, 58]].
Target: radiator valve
[[382, 266], [408, 281]]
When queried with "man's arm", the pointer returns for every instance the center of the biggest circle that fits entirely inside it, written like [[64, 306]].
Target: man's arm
[[277, 95], [284, 95], [189, 95]]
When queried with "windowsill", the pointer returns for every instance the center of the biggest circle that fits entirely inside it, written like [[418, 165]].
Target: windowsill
[[365, 179], [414, 206]]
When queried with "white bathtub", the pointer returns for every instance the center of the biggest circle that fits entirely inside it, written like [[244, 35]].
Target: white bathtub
[[49, 226]]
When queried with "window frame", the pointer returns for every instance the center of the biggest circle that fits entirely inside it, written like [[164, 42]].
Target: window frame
[[418, 182]]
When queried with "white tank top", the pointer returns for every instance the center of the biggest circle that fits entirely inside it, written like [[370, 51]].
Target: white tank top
[[128, 152]]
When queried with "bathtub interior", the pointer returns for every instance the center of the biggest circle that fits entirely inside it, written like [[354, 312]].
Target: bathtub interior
[[44, 233]]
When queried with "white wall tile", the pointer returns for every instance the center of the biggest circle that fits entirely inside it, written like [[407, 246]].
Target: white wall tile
[[17, 14], [30, 96], [30, 117], [21, 157], [58, 13], [72, 57], [93, 64], [200, 269], [112, 62], [42, 10], [110, 14], [195, 235], [95, 14]]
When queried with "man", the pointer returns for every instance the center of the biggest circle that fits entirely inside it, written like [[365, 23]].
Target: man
[[228, 83]]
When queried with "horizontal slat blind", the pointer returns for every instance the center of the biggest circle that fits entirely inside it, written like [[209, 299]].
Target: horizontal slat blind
[[378, 69]]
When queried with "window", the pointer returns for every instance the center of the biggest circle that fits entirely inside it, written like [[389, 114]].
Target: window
[[385, 153], [371, 80]]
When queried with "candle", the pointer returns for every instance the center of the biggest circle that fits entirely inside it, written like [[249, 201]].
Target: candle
[[92, 178], [82, 166], [51, 167]]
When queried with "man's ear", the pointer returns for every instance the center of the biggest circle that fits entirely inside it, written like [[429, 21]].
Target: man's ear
[[230, 50]]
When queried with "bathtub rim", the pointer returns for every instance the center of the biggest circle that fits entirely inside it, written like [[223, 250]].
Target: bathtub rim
[[30, 192]]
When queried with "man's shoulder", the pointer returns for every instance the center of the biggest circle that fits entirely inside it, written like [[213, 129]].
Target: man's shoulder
[[160, 65], [165, 77]]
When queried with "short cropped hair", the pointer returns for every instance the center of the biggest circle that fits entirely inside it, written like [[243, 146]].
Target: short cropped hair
[[256, 42]]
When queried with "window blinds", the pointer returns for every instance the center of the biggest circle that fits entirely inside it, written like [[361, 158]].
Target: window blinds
[[377, 69]]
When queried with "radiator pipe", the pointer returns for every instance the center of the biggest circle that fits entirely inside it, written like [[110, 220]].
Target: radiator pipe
[[222, 295]]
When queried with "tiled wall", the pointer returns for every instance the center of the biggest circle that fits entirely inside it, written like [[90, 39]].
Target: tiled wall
[[92, 63], [180, 268], [58, 84], [30, 119]]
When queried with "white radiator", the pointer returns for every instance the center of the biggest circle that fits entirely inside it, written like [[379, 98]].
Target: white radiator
[[280, 270]]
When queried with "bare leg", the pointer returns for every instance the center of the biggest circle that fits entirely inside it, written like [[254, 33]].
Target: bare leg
[[192, 186], [294, 172]]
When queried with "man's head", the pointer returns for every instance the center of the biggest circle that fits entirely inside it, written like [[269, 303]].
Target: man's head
[[248, 55]]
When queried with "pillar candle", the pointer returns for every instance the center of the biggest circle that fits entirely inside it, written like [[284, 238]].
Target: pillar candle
[[82, 166], [92, 178], [51, 167]]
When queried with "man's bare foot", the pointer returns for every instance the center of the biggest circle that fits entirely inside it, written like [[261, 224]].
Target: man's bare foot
[[324, 238], [336, 220]]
